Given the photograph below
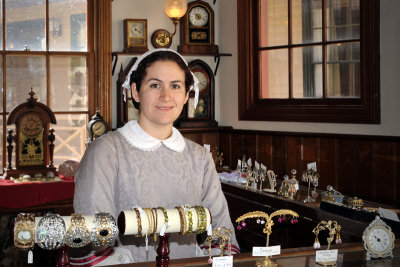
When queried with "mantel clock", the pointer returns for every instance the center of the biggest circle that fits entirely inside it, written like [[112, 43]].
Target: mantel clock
[[197, 30], [34, 139]]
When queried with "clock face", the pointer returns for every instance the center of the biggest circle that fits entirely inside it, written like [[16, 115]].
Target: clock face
[[203, 80], [198, 16], [31, 125], [379, 240], [136, 29], [98, 128]]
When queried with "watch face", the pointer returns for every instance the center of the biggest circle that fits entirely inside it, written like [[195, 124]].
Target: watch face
[[198, 16], [203, 80], [379, 240], [31, 125]]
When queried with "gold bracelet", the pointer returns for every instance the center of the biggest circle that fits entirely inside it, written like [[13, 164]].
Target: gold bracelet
[[182, 218], [201, 219], [24, 231], [139, 222], [165, 214], [77, 234], [190, 219], [155, 223], [149, 216]]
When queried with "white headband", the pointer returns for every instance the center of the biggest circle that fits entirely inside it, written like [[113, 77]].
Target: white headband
[[127, 84]]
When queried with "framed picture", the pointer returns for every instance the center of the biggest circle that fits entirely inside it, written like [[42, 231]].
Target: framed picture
[[135, 35]]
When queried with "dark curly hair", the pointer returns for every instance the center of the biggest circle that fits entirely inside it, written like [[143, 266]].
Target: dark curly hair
[[138, 75]]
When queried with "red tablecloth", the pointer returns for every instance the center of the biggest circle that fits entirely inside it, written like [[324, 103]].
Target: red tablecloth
[[24, 195]]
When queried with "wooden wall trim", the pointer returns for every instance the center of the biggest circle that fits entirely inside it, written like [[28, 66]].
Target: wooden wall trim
[[103, 66]]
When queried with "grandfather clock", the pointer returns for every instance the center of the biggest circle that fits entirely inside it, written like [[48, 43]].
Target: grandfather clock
[[34, 139]]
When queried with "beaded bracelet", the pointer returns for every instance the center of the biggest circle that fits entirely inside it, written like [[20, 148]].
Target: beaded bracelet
[[139, 222], [165, 225], [182, 218], [201, 219], [149, 216]]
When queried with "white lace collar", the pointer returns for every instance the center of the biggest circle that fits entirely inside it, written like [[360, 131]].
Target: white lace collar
[[138, 138]]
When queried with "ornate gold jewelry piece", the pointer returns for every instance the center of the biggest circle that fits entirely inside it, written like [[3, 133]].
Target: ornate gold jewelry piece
[[139, 222], [104, 231], [155, 216], [24, 231], [77, 234], [150, 220], [201, 219], [188, 211], [50, 232], [334, 230]]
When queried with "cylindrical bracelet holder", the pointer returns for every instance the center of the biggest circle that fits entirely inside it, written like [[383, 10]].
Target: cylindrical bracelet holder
[[128, 221]]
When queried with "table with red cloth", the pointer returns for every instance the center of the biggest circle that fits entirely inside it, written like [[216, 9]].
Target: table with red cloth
[[23, 195]]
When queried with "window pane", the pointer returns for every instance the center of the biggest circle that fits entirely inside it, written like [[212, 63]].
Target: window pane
[[25, 25], [307, 72], [1, 25], [306, 21], [1, 84], [67, 25], [68, 83], [343, 70], [274, 70], [343, 19], [70, 132], [273, 22], [22, 73]]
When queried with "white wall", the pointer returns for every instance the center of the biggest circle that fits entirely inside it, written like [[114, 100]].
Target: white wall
[[226, 100]]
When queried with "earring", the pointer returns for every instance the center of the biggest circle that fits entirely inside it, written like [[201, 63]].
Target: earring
[[338, 239], [316, 243]]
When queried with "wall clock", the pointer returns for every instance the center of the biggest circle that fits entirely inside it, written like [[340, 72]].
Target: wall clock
[[135, 35], [378, 239], [203, 115], [34, 139], [197, 30]]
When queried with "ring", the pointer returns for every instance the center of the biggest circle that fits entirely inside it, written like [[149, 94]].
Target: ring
[[50, 232], [77, 234], [104, 231], [24, 231]]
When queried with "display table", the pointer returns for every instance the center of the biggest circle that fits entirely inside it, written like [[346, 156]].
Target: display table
[[24, 195], [351, 254]]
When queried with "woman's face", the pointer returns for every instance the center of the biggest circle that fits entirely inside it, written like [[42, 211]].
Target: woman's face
[[161, 96]]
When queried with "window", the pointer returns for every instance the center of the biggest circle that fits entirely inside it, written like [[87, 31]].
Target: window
[[309, 60], [46, 47]]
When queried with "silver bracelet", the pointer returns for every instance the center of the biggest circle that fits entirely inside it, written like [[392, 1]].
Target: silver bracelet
[[104, 231], [50, 232], [77, 234]]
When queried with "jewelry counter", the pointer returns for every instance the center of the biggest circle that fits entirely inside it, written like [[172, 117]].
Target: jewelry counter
[[351, 254]]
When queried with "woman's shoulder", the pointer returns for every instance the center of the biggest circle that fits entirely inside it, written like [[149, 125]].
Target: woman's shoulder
[[194, 147]]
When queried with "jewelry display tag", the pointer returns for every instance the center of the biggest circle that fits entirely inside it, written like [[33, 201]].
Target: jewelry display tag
[[257, 165], [326, 255], [312, 166], [30, 257], [225, 261], [388, 214], [207, 147], [263, 167], [266, 251], [296, 186]]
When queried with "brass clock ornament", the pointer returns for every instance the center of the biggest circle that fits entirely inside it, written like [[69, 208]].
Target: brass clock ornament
[[378, 239], [197, 30], [97, 126], [161, 39], [34, 139]]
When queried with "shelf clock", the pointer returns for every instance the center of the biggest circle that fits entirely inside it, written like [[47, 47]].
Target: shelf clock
[[97, 126], [197, 30], [378, 239], [203, 115], [34, 139]]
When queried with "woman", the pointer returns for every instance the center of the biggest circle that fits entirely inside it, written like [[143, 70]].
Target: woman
[[148, 163]]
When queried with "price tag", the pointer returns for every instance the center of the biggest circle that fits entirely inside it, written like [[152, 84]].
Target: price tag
[[225, 261], [296, 186], [326, 255], [266, 251], [207, 147], [312, 165]]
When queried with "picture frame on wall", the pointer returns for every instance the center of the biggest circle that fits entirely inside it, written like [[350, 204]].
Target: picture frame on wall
[[135, 35]]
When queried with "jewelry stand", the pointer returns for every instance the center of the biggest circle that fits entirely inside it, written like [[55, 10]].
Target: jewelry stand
[[62, 259], [163, 252], [266, 262], [334, 229]]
